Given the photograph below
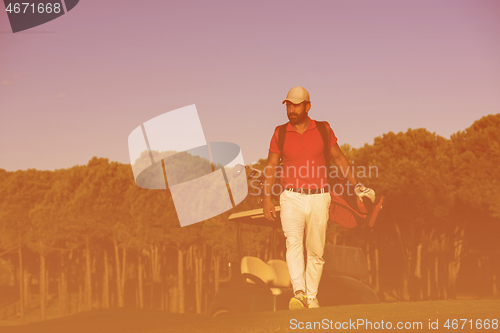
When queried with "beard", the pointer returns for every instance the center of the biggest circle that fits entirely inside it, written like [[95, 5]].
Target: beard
[[297, 118]]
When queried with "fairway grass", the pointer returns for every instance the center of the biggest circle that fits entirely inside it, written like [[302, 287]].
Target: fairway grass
[[151, 321]]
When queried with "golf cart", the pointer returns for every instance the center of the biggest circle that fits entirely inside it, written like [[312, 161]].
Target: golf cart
[[255, 285]]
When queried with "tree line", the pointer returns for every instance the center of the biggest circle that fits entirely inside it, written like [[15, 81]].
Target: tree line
[[88, 237]]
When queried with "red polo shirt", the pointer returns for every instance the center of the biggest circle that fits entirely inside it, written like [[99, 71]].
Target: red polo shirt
[[303, 157]]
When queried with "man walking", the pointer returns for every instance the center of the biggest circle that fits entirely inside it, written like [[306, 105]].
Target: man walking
[[305, 199]]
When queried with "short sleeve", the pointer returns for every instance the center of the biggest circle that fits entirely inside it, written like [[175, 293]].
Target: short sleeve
[[333, 138], [274, 142]]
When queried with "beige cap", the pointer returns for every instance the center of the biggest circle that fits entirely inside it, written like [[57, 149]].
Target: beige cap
[[297, 95]]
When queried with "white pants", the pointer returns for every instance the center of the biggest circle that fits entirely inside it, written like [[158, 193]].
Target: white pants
[[305, 213]]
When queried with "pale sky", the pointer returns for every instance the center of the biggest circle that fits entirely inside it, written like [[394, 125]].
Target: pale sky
[[76, 87]]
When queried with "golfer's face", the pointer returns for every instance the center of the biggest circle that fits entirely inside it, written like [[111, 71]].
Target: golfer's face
[[296, 113]]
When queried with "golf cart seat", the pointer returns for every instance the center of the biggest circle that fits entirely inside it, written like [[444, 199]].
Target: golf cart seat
[[271, 278], [281, 270]]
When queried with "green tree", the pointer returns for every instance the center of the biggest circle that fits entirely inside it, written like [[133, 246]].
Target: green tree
[[51, 230], [476, 163], [412, 170], [22, 190]]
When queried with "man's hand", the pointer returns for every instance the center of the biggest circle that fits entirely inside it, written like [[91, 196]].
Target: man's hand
[[362, 191], [269, 210]]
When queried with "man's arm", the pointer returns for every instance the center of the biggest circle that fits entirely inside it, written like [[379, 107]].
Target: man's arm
[[270, 178], [341, 161]]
